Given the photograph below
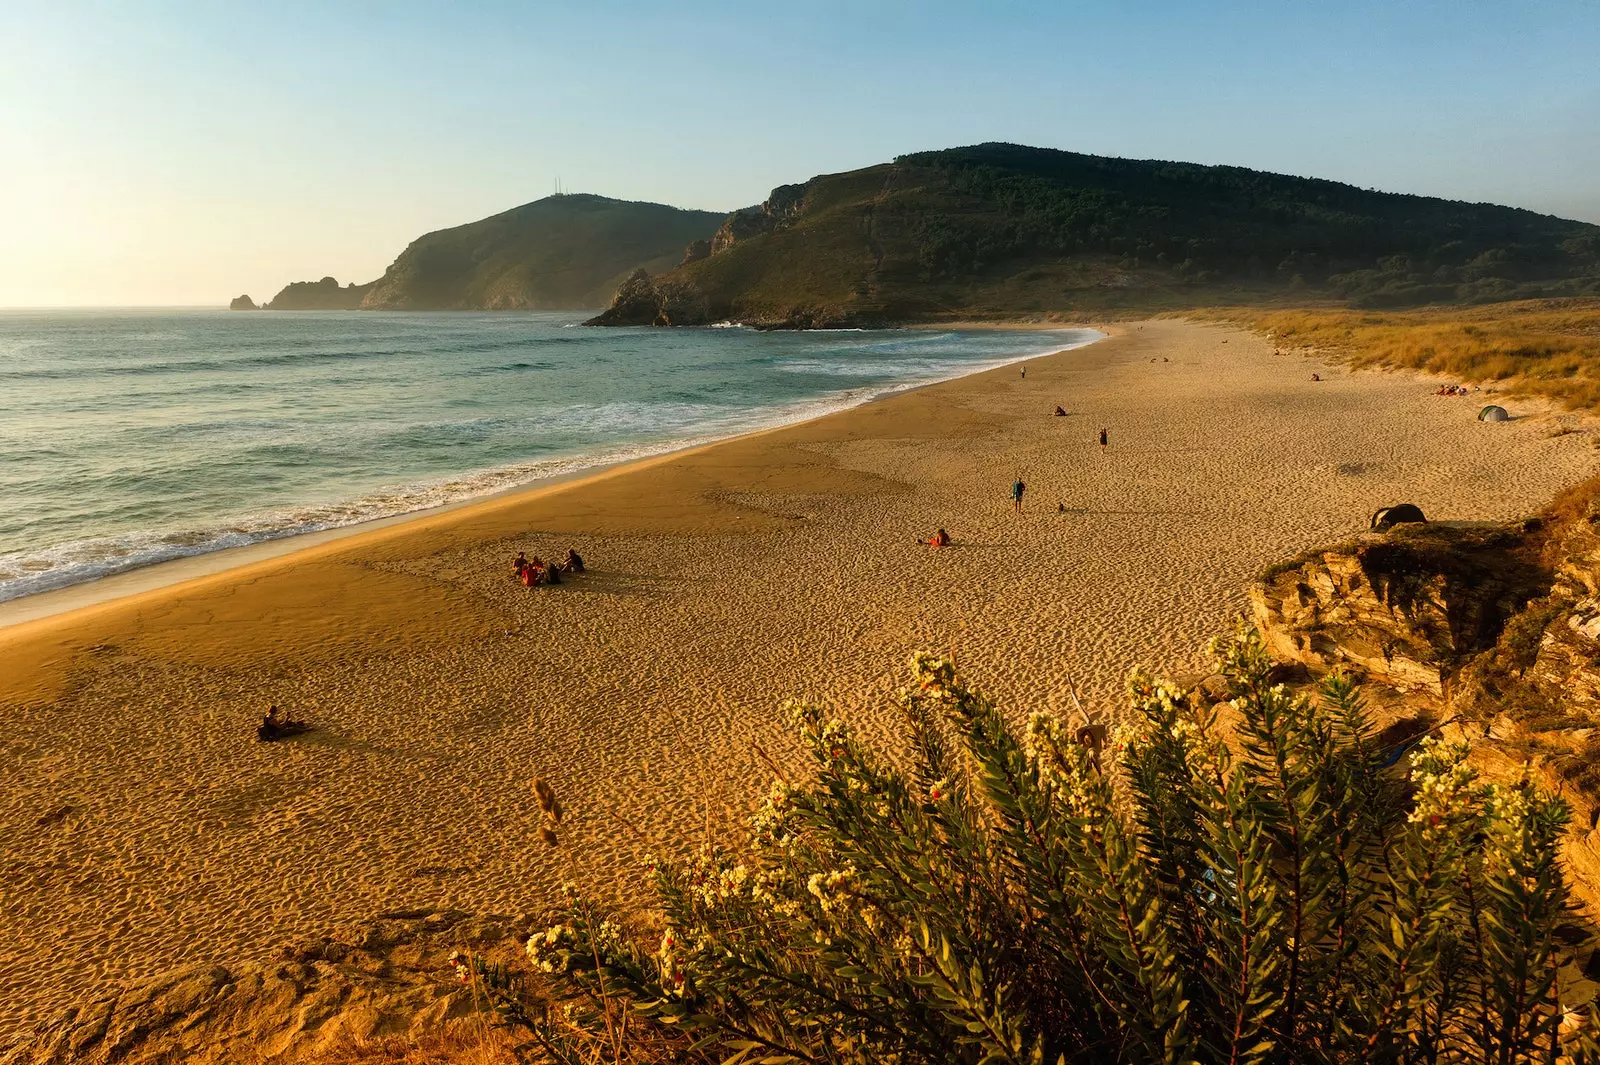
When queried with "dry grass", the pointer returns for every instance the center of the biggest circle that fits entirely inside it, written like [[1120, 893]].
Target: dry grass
[[1545, 347]]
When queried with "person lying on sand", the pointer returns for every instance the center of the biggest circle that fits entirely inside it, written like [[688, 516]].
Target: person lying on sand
[[938, 539], [573, 563], [274, 728]]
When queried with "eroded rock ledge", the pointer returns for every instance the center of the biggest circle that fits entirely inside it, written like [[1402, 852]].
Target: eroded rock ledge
[[391, 979]]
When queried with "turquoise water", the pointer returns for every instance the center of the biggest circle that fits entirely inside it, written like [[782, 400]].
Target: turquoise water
[[131, 437]]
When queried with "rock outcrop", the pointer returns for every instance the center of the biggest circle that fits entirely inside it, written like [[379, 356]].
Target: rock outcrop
[[391, 980], [243, 303], [643, 300], [1407, 607], [324, 295], [697, 250], [780, 208], [1491, 633]]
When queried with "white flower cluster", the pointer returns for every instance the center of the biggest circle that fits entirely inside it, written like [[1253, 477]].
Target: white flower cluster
[[544, 947], [934, 675], [1443, 781], [1064, 768], [1507, 812], [716, 880], [772, 823], [836, 890]]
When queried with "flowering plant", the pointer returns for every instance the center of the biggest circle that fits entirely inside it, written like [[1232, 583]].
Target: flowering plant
[[1244, 884]]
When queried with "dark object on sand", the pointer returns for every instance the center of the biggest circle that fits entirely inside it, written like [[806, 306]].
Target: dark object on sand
[[1493, 413], [274, 728], [1405, 512], [1060, 413], [573, 563]]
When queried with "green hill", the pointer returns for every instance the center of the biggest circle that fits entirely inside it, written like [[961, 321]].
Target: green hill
[[1000, 229], [565, 252]]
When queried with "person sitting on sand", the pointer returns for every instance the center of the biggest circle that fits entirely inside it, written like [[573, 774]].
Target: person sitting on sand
[[519, 563], [1060, 413], [1316, 377], [531, 575], [938, 539], [573, 563], [274, 728]]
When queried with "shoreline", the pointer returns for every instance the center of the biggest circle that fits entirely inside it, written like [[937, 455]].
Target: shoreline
[[165, 573], [146, 829]]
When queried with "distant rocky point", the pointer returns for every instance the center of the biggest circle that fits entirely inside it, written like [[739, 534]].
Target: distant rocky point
[[324, 295], [243, 303], [566, 252]]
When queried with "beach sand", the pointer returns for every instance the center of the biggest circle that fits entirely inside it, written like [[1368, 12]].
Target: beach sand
[[144, 827]]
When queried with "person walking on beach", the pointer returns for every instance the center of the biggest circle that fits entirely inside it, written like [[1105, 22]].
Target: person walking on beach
[[1017, 488], [1103, 434], [1024, 372]]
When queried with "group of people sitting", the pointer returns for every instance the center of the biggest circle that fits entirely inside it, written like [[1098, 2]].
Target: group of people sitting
[[535, 570], [1455, 390]]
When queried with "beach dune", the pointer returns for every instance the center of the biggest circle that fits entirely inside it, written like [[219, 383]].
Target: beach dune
[[144, 827]]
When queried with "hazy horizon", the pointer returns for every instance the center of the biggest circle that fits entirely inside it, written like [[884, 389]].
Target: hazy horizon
[[171, 157]]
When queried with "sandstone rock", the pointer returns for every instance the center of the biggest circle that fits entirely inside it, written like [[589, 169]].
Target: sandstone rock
[[390, 980], [1407, 607]]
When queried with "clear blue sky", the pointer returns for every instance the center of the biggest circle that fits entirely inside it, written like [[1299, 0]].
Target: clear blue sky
[[172, 152]]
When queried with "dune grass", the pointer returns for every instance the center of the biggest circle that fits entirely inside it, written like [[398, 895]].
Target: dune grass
[[1541, 347]]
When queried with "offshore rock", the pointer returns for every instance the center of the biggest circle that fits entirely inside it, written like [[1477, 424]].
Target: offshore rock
[[243, 303]]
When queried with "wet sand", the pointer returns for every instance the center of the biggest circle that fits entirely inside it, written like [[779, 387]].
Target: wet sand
[[144, 827]]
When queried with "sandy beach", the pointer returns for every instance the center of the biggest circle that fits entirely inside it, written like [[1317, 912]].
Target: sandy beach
[[144, 827]]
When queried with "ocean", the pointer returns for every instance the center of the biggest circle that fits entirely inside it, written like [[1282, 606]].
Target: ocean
[[129, 437]]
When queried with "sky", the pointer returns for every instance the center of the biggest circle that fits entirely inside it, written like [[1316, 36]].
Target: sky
[[182, 153]]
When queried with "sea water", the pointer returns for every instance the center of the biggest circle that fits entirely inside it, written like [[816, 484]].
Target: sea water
[[132, 437]]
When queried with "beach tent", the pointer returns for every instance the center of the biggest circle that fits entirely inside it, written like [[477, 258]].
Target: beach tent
[[1492, 413], [1389, 516]]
